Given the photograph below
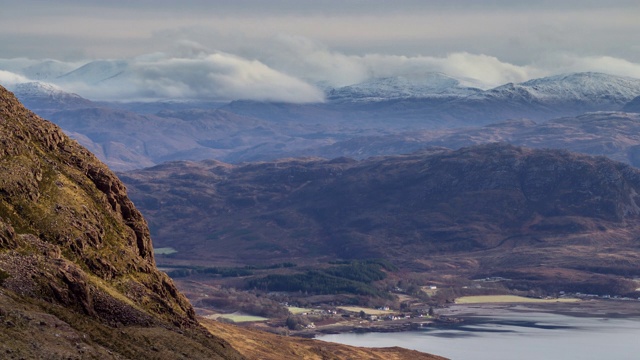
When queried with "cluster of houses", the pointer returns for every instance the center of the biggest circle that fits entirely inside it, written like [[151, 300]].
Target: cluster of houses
[[391, 317], [594, 296]]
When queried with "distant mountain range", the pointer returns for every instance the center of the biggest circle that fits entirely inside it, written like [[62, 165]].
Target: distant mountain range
[[395, 103], [613, 134], [572, 87], [403, 87], [543, 217], [414, 108]]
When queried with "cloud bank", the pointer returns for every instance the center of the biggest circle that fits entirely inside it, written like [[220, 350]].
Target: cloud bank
[[202, 76], [10, 79], [316, 63], [287, 69], [191, 72]]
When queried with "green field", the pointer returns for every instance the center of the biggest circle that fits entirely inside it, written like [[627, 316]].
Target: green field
[[507, 299], [368, 311], [298, 310], [237, 318], [164, 251]]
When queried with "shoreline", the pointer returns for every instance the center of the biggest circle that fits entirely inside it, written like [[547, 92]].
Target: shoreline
[[583, 308], [458, 314]]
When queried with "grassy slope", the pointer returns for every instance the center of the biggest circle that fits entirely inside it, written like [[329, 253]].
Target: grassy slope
[[34, 329], [256, 344]]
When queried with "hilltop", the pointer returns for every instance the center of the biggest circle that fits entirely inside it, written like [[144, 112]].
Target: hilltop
[[488, 210]]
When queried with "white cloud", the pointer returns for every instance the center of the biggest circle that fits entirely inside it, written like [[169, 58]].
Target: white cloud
[[220, 76], [283, 69], [192, 72], [9, 79], [604, 64], [308, 60], [480, 70]]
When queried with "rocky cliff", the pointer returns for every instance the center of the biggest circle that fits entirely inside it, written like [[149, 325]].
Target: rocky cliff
[[75, 249]]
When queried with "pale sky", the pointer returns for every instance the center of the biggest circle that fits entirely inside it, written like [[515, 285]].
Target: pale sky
[[338, 41]]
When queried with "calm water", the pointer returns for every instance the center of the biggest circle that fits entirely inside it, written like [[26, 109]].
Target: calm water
[[516, 336]]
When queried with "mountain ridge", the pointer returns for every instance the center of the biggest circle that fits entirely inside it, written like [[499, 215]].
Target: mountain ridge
[[249, 130], [398, 87], [468, 206]]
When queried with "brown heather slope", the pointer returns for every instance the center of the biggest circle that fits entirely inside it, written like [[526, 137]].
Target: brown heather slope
[[76, 254], [77, 274], [256, 344], [547, 218]]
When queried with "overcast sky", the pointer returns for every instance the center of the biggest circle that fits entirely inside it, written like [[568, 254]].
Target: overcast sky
[[338, 41]]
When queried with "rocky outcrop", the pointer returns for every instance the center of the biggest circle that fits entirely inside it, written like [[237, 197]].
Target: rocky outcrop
[[54, 189], [70, 236]]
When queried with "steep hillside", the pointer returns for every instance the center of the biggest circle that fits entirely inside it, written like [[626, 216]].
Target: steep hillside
[[76, 252], [78, 278], [491, 208]]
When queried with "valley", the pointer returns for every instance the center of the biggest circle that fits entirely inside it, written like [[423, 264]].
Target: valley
[[289, 200], [382, 231], [330, 180], [78, 277]]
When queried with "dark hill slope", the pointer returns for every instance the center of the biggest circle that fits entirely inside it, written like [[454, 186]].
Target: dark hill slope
[[633, 105], [482, 209]]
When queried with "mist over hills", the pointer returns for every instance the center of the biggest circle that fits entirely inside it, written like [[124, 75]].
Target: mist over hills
[[137, 135]]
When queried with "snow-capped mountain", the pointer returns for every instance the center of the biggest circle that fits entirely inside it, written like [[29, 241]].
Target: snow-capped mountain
[[430, 85], [41, 97], [39, 89], [589, 88]]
